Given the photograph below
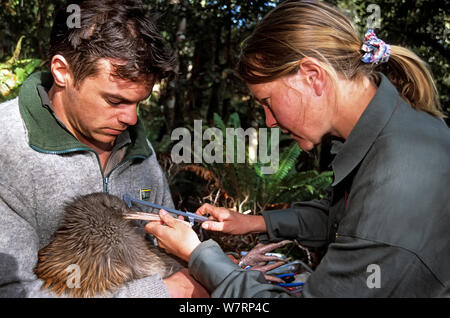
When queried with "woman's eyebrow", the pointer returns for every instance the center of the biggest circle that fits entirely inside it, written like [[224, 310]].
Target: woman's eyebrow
[[265, 101]]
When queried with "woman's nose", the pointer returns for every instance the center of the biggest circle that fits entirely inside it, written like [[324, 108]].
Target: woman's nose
[[270, 119]]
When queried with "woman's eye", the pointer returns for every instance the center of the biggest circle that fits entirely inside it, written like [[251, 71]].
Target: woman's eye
[[265, 102], [113, 103]]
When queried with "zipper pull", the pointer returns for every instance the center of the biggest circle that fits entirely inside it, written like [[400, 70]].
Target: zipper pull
[[105, 185]]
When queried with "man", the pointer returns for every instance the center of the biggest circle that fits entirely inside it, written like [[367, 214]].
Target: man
[[75, 131]]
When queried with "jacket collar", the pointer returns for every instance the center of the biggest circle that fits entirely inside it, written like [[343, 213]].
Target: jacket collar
[[371, 123], [47, 134]]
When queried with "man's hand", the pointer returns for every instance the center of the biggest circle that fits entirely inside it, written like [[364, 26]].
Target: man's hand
[[176, 238], [230, 222], [183, 285]]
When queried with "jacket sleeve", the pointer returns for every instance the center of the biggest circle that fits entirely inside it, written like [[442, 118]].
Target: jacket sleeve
[[351, 268], [307, 222], [19, 247], [224, 279], [19, 244]]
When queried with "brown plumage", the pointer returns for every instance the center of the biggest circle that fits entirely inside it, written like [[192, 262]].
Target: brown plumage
[[108, 249]]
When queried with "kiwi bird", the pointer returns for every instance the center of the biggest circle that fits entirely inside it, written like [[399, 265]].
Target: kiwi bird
[[108, 249]]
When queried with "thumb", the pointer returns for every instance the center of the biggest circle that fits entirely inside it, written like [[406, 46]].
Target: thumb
[[213, 226]]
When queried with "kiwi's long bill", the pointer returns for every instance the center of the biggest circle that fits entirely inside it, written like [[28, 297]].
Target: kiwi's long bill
[[141, 216]]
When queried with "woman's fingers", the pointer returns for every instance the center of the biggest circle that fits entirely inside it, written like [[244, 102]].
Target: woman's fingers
[[205, 209], [213, 226], [218, 213], [175, 235]]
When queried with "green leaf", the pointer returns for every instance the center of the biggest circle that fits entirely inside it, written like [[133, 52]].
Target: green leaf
[[288, 159], [21, 75], [31, 66], [219, 123], [234, 121]]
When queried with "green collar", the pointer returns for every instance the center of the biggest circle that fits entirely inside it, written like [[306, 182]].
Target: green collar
[[48, 135]]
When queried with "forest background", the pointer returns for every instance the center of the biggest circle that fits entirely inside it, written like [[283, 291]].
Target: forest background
[[206, 37]]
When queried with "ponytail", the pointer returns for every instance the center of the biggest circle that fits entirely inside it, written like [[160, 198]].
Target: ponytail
[[413, 80]]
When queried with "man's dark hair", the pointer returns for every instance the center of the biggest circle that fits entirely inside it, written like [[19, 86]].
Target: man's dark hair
[[114, 29]]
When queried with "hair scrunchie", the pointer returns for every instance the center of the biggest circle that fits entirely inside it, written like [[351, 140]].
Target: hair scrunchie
[[377, 51]]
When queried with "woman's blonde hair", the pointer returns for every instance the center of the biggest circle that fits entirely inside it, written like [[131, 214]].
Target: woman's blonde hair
[[298, 29]]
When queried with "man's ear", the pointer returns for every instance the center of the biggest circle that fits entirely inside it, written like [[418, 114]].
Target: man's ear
[[60, 69], [313, 73]]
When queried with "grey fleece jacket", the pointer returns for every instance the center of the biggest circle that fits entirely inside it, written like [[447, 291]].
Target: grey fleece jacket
[[41, 167]]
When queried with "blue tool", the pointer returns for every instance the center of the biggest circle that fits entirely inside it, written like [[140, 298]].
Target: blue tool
[[191, 216]]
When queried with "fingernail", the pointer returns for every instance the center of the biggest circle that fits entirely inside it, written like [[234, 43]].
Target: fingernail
[[205, 226]]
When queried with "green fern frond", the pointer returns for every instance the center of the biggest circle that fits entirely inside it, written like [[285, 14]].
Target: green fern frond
[[288, 159], [219, 123], [234, 121]]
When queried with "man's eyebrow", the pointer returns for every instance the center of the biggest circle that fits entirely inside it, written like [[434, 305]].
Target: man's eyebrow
[[118, 97]]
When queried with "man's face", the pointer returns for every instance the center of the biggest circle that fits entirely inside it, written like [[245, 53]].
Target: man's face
[[102, 106]]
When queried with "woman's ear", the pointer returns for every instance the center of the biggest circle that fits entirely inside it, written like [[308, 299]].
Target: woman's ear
[[60, 69], [314, 75]]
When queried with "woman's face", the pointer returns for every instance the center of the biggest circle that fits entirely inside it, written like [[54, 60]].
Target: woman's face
[[293, 104]]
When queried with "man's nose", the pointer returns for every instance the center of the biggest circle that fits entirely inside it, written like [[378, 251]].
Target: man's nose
[[128, 115]]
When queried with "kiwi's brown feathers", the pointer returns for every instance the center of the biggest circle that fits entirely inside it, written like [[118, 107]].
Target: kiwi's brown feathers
[[108, 249]]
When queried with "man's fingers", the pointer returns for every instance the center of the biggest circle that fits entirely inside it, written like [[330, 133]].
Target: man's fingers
[[154, 228], [168, 219], [162, 245]]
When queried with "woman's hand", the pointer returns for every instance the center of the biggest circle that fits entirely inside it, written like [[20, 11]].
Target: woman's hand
[[230, 222], [176, 238]]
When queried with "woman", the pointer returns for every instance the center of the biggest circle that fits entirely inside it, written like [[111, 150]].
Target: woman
[[386, 218]]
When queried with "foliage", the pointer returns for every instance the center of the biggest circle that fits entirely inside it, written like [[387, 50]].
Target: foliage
[[243, 186], [32, 18], [206, 37], [14, 72]]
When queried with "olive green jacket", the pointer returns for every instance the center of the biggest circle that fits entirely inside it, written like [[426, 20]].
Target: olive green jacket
[[385, 221]]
